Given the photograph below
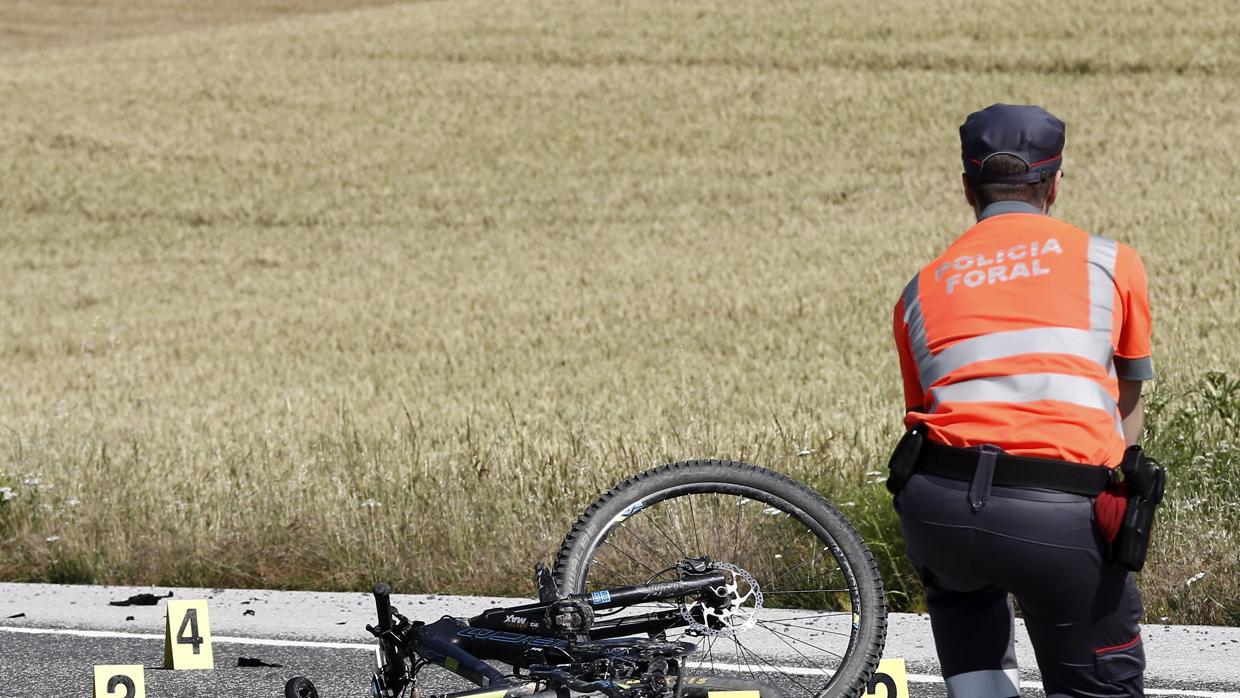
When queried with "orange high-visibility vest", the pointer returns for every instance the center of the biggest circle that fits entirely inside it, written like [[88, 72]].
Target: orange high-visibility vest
[[1017, 335]]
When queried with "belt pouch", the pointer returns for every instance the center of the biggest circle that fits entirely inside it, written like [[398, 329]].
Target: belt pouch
[[904, 459], [983, 477]]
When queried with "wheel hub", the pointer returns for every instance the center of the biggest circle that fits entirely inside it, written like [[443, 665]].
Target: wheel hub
[[742, 599]]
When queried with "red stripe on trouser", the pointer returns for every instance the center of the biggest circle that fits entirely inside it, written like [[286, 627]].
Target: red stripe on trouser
[[1113, 648]]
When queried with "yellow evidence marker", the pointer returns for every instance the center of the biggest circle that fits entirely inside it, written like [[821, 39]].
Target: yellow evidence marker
[[890, 680], [187, 636], [120, 681]]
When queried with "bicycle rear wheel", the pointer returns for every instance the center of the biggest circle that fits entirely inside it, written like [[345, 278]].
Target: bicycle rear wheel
[[813, 620]]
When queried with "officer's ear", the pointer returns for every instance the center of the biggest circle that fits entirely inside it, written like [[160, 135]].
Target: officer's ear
[[1054, 190], [969, 194]]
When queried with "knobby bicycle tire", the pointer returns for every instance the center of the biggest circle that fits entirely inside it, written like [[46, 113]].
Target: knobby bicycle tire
[[686, 509]]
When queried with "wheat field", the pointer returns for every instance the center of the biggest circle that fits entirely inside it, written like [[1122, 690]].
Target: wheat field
[[311, 299]]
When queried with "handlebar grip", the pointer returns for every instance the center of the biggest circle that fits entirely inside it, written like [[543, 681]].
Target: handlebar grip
[[383, 604]]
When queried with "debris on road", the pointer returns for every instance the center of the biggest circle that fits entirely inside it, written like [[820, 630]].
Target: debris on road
[[143, 599], [255, 662]]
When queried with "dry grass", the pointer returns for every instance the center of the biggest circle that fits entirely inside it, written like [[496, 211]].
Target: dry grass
[[36, 25], [393, 293]]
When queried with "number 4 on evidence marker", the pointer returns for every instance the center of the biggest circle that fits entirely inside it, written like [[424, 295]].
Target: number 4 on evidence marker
[[187, 636]]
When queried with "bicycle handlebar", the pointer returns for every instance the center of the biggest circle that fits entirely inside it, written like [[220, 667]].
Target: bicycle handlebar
[[383, 604]]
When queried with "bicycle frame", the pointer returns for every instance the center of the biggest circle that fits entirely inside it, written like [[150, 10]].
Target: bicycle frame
[[543, 633]]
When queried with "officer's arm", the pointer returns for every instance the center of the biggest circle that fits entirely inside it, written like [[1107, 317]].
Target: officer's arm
[[913, 395], [1132, 351], [1131, 412]]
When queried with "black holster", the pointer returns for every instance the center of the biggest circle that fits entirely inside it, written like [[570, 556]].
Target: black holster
[[1146, 481], [904, 458]]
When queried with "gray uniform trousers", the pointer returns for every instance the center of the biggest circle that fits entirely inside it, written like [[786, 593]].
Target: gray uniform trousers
[[1040, 547]]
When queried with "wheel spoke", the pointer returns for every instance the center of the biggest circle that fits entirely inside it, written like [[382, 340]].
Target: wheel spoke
[[743, 658], [621, 580], [781, 672], [659, 528], [625, 527], [740, 653], [787, 572], [622, 552], [804, 627], [823, 614], [794, 637], [801, 591], [798, 651], [697, 542], [736, 550]]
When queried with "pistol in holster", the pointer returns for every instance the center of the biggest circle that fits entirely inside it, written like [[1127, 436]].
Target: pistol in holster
[[904, 459], [1146, 481]]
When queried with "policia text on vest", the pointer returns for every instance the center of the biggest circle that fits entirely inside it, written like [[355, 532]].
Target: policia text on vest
[[1016, 262]]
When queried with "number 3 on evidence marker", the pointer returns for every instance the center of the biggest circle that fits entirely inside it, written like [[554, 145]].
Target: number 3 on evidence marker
[[891, 676]]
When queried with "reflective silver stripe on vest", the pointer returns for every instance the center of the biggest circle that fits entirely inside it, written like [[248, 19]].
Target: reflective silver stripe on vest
[[1102, 254], [916, 323], [1002, 345], [1027, 387]]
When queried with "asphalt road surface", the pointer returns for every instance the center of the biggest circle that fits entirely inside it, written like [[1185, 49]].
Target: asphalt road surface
[[66, 630]]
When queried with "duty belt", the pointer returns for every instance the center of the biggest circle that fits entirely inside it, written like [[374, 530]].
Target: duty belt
[[1015, 471]]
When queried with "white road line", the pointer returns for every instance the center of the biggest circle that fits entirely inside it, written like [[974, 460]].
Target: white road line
[[215, 638], [930, 678], [799, 671]]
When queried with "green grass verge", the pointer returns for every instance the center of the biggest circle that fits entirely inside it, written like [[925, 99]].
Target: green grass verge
[[393, 294]]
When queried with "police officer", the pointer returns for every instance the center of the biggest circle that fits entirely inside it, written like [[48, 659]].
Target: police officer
[[1023, 348]]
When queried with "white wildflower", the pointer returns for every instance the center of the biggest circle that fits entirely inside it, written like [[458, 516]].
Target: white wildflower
[[7, 493], [370, 503], [53, 539], [1195, 578]]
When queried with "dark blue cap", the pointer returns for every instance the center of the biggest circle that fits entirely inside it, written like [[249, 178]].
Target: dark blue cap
[[1026, 131]]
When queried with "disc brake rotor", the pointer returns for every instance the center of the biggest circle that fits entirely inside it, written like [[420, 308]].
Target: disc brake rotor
[[740, 612]]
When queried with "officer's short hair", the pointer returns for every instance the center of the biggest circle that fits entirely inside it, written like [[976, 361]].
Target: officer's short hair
[[1003, 164]]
